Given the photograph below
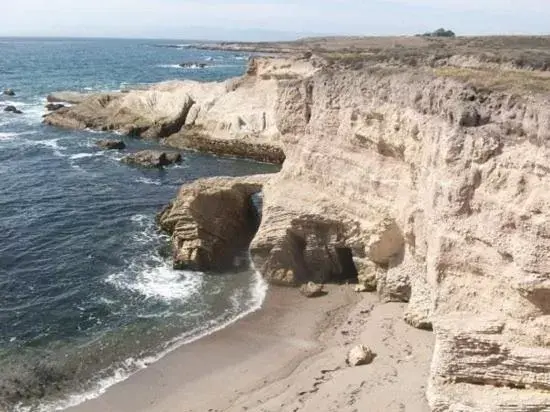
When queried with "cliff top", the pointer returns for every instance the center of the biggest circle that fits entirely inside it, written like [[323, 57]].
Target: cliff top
[[517, 64], [523, 51]]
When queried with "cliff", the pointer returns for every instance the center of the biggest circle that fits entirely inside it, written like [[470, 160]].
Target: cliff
[[436, 193], [430, 185]]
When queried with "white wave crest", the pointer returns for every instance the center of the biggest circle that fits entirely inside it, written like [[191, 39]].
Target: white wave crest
[[51, 143], [169, 66], [148, 181], [132, 365], [85, 155], [8, 136], [158, 281]]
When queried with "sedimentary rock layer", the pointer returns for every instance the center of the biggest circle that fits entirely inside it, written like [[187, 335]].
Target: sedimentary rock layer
[[212, 222], [235, 118], [437, 193], [429, 189]]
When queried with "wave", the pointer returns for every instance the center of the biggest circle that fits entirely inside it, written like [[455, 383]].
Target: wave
[[148, 181], [85, 155], [51, 143], [8, 135], [157, 281], [133, 365]]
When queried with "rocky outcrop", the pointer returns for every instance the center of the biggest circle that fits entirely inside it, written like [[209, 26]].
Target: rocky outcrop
[[68, 97], [152, 158], [236, 118], [111, 144], [150, 114], [435, 193], [476, 365], [54, 106], [12, 109], [262, 152], [424, 187], [212, 222]]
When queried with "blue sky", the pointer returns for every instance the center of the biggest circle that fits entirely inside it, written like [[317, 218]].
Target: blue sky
[[268, 20]]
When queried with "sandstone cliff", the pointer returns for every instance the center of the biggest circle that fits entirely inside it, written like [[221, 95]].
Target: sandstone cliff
[[236, 117], [436, 193], [212, 222], [425, 184]]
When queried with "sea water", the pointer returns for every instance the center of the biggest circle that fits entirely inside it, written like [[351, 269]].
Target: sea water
[[87, 290]]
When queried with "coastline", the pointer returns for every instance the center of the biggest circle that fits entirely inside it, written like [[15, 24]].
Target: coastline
[[273, 358]]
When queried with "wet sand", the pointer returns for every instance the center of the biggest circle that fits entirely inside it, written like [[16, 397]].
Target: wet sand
[[288, 356]]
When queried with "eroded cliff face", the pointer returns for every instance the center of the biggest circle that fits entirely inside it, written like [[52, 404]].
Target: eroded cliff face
[[438, 193], [236, 117], [212, 222], [428, 190]]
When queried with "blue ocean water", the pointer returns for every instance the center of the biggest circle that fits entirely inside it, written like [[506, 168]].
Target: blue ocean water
[[87, 293]]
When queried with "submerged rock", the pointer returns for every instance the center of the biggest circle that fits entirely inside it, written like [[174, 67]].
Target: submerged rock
[[152, 158], [12, 109], [312, 290], [360, 355], [9, 92], [111, 144]]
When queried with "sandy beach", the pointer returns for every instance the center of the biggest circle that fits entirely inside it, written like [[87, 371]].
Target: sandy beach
[[288, 356]]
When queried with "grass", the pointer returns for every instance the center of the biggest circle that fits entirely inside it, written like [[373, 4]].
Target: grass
[[514, 81]]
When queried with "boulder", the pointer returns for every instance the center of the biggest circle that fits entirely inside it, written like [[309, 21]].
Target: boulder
[[360, 355], [312, 290], [9, 92], [111, 144], [12, 109], [54, 106], [152, 158]]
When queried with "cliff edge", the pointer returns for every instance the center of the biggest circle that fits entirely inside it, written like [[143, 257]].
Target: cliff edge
[[429, 184], [434, 192]]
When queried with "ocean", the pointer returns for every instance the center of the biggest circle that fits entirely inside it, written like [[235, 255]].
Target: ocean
[[87, 291]]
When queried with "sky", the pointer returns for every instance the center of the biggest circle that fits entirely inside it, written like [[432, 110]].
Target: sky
[[268, 20]]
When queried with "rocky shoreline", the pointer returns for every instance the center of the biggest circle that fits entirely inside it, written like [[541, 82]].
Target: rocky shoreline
[[414, 182]]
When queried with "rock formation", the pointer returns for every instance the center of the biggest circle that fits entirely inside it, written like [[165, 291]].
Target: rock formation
[[111, 144], [236, 117], [54, 106], [152, 158], [12, 109], [212, 222], [411, 181], [68, 97]]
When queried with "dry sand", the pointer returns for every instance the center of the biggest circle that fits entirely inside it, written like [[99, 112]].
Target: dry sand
[[289, 356]]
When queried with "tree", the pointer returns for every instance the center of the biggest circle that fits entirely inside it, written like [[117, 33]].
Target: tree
[[440, 33]]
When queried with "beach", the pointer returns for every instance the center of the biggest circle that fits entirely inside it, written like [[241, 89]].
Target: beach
[[288, 356]]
